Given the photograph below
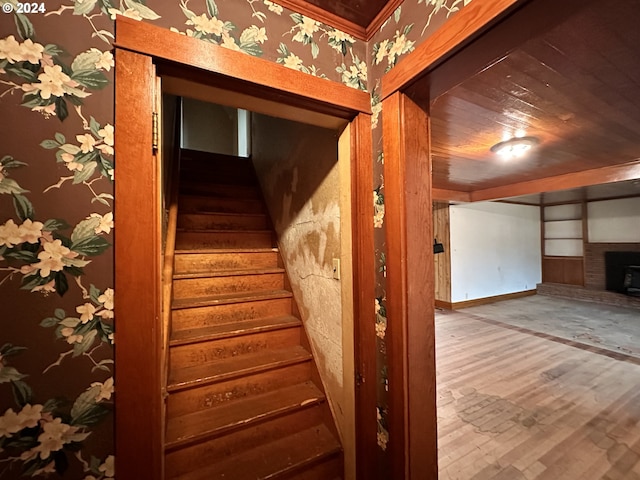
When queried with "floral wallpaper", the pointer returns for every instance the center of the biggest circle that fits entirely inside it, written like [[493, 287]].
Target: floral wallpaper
[[56, 200]]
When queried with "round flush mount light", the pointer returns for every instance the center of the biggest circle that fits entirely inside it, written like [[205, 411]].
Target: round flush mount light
[[515, 147]]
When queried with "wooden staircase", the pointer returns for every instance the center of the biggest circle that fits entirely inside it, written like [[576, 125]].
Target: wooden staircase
[[244, 396]]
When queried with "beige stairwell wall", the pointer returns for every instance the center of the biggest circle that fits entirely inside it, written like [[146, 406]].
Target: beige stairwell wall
[[299, 173]]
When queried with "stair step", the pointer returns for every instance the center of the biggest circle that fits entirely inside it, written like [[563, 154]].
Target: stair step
[[190, 158], [188, 354], [219, 283], [223, 221], [230, 272], [229, 298], [209, 452], [236, 367], [224, 239], [215, 332], [201, 425], [276, 460], [208, 260], [211, 396], [225, 314], [211, 188], [193, 182], [231, 202]]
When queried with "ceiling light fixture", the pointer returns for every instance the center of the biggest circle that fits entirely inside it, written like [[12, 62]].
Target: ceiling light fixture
[[514, 147]]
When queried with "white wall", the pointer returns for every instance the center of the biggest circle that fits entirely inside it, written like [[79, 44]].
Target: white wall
[[495, 249], [209, 128], [614, 221]]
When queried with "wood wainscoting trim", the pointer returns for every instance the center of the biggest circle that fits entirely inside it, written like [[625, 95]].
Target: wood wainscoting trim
[[483, 301]]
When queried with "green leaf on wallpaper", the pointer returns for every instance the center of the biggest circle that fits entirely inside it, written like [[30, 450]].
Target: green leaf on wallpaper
[[49, 144], [144, 11], [397, 14], [315, 49], [9, 350], [84, 403], [85, 229], [59, 313], [91, 246], [86, 60], [10, 374], [75, 262], [84, 7], [91, 416], [95, 127], [60, 138], [24, 208], [102, 365], [84, 174], [25, 73], [251, 48], [24, 26], [53, 50], [93, 79], [61, 283], [9, 162], [102, 199], [22, 255], [61, 108], [22, 393], [94, 292], [212, 8], [9, 185], [85, 344], [54, 224], [49, 322]]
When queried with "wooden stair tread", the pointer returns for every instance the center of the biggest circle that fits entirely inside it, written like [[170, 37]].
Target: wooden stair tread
[[236, 367], [246, 327], [225, 250], [275, 459], [218, 230], [224, 214], [208, 423], [237, 297], [227, 273]]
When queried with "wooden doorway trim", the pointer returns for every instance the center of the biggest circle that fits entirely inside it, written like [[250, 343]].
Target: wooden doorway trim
[[139, 47], [410, 289]]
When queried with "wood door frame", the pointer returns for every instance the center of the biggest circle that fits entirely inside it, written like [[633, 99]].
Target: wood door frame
[[409, 219], [139, 47]]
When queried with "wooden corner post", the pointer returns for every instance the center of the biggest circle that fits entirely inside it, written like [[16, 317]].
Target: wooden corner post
[[410, 289]]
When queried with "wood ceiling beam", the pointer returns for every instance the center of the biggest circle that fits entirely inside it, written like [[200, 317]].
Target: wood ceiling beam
[[444, 195], [596, 176]]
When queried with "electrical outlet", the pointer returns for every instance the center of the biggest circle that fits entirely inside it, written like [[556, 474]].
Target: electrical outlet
[[336, 268]]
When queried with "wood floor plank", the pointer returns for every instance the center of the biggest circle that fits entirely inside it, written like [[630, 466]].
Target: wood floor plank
[[515, 405]]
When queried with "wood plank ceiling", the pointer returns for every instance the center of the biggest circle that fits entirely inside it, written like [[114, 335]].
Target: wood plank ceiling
[[576, 88]]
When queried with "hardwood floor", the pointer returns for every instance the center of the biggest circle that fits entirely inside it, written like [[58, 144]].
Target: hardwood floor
[[513, 405]]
